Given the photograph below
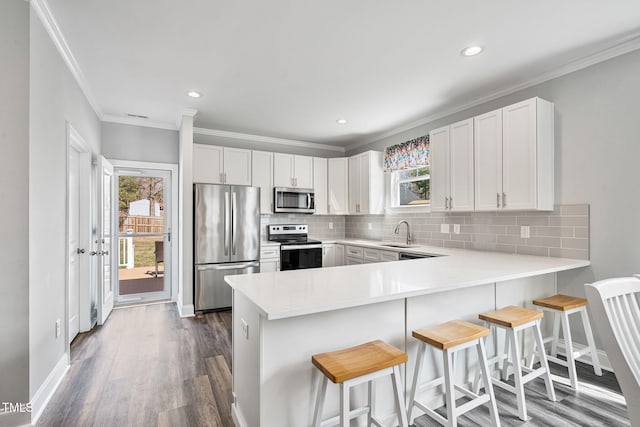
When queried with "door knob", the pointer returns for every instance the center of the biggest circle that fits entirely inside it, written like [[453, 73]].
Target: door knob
[[92, 253], [105, 252]]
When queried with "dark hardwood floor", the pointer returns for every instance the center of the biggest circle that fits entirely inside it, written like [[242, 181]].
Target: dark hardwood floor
[[147, 366]]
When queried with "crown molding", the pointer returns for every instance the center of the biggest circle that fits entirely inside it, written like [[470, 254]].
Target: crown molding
[[268, 139], [51, 26], [622, 46], [133, 121]]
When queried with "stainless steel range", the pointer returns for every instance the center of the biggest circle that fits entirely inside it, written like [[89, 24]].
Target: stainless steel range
[[296, 250]]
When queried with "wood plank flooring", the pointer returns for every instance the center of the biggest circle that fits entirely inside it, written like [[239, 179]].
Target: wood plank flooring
[[147, 367]]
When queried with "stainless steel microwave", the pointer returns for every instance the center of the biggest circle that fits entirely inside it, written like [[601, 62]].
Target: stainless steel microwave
[[293, 200]]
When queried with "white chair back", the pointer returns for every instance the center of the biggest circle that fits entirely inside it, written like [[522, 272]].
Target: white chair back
[[616, 313]]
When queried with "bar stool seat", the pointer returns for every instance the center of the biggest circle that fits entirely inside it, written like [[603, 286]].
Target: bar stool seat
[[512, 320], [356, 365], [451, 337], [562, 306]]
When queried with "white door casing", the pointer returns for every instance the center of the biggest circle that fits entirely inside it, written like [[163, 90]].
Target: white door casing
[[105, 251], [74, 244]]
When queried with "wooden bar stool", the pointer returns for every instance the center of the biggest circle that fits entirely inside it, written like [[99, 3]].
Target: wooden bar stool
[[451, 337], [562, 306], [357, 365], [513, 320]]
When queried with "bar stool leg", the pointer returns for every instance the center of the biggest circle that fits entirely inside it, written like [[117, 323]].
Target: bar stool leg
[[507, 353], [344, 406], [450, 389], [372, 398], [556, 334], [517, 374], [590, 342], [568, 349], [398, 390], [551, 393], [416, 377], [488, 388], [322, 391]]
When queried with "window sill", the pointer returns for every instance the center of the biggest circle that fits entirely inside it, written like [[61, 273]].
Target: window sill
[[408, 209]]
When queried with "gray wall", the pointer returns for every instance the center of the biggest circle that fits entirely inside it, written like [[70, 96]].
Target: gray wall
[[597, 150], [14, 199], [55, 99], [128, 142], [262, 146]]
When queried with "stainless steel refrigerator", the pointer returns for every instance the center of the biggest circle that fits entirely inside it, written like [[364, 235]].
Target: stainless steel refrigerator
[[226, 240]]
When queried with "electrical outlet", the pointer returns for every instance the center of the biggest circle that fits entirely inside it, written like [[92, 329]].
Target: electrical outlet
[[524, 231], [369, 226], [444, 228], [330, 226], [57, 328], [245, 328], [456, 228]]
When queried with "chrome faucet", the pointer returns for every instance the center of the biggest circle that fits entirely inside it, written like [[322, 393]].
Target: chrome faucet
[[397, 230]]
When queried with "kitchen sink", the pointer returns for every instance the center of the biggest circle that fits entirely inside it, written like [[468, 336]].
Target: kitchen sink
[[398, 245]]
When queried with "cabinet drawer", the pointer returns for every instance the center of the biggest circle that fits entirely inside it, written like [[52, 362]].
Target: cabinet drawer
[[270, 252], [389, 256], [354, 251], [371, 255], [354, 260]]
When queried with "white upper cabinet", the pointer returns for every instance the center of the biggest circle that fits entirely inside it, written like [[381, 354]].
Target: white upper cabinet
[[338, 186], [262, 176], [292, 171], [522, 175], [221, 165], [452, 167], [320, 184], [366, 183]]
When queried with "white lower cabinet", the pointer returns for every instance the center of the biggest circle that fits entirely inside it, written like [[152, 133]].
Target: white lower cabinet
[[269, 258], [386, 256], [362, 255], [339, 254], [328, 254]]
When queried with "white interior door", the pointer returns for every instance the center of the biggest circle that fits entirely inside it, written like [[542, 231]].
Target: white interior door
[[106, 232], [75, 249]]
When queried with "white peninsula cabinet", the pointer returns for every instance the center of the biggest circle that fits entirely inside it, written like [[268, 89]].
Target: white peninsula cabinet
[[338, 186], [514, 154], [269, 258], [221, 165], [320, 185], [452, 167], [292, 171], [366, 183], [262, 176], [332, 254]]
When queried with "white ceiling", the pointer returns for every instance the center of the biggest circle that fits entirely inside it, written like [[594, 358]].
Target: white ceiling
[[290, 68]]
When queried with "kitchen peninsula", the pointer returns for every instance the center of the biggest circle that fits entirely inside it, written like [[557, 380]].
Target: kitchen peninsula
[[281, 319]]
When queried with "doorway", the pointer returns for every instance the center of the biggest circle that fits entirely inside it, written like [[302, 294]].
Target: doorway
[[143, 234]]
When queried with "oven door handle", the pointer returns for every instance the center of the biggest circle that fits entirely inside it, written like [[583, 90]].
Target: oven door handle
[[296, 247]]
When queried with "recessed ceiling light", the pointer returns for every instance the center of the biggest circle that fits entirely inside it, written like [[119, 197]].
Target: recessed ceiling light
[[341, 121], [472, 51], [194, 94]]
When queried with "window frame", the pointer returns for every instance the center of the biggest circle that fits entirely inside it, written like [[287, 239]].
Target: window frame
[[394, 185]]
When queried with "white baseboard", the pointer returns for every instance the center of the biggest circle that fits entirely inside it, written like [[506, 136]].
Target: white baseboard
[[238, 419], [49, 386], [186, 310], [602, 356]]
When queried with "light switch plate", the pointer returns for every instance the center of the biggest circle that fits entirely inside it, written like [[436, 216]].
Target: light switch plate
[[330, 226], [370, 226], [524, 231], [456, 228], [444, 228]]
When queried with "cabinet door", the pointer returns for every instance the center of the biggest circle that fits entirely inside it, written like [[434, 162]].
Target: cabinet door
[[439, 169], [282, 170], [488, 161], [270, 265], [320, 184], [354, 261], [461, 166], [303, 171], [262, 176], [338, 187], [207, 164], [389, 256], [519, 155], [339, 255], [354, 185], [237, 166], [375, 184], [365, 181], [328, 255]]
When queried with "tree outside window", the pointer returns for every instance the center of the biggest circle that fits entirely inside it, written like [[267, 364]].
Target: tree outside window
[[413, 186]]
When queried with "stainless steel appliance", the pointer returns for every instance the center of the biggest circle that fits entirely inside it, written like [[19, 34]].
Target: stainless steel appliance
[[296, 250], [412, 255], [293, 200], [226, 237]]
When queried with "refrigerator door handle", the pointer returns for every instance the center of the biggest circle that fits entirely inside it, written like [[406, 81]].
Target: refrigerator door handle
[[239, 266], [226, 222], [234, 209]]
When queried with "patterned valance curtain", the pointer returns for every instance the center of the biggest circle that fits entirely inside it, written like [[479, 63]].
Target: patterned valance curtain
[[407, 155]]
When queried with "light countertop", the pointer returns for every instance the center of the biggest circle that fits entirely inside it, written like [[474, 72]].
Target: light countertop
[[299, 292]]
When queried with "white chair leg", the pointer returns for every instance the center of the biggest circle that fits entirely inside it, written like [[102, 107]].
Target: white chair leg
[[416, 378], [450, 389], [488, 388], [372, 398], [517, 374], [551, 393], [568, 348], [590, 342], [344, 406], [507, 353], [322, 391], [556, 334], [398, 391]]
